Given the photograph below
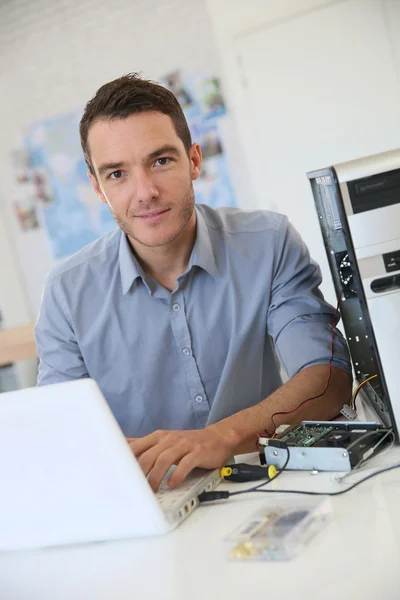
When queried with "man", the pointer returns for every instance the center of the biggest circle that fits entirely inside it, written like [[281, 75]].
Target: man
[[183, 314]]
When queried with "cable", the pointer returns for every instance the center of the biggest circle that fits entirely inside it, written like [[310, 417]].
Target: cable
[[371, 451], [221, 495], [289, 412], [361, 462], [333, 493], [353, 399], [380, 442], [210, 496], [366, 435]]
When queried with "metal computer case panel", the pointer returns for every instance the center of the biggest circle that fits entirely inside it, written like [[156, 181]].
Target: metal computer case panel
[[331, 209]]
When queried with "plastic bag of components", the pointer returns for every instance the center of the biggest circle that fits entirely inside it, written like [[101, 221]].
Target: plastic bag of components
[[280, 529]]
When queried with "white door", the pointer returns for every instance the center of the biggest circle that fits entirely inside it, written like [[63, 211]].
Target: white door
[[319, 88]]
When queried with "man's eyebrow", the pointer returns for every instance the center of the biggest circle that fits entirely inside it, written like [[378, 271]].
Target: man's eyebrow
[[166, 149], [115, 166], [110, 167]]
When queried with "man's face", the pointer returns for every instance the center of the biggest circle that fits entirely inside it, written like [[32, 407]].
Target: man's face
[[144, 175]]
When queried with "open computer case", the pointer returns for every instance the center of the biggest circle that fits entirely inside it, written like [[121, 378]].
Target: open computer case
[[358, 205]]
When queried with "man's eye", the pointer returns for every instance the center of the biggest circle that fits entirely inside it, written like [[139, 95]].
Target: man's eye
[[163, 161], [115, 175]]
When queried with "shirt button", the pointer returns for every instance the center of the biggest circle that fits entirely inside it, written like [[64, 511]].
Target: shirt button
[[199, 398], [176, 307], [186, 351]]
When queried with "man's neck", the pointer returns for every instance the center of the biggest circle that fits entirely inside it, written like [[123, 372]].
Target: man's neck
[[166, 263]]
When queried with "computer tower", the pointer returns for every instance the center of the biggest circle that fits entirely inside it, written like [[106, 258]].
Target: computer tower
[[358, 205]]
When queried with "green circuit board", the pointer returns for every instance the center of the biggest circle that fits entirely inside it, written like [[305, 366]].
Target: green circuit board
[[304, 436]]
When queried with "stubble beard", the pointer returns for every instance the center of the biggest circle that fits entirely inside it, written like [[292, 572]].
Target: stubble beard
[[185, 214]]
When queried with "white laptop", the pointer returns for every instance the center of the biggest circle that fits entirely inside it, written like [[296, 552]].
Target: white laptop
[[68, 475]]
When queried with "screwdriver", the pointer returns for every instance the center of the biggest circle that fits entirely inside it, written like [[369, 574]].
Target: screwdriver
[[241, 472]]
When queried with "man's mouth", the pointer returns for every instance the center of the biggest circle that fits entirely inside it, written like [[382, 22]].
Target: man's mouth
[[154, 215]]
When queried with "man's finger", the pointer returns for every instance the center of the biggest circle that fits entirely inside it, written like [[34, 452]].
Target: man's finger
[[148, 459], [185, 466], [164, 461], [140, 445]]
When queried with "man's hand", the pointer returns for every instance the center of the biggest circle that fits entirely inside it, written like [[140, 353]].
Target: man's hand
[[157, 452], [211, 447]]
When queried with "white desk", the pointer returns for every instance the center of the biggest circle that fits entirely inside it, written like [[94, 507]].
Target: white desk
[[356, 557]]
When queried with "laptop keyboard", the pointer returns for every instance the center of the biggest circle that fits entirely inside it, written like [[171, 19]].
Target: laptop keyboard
[[171, 497]]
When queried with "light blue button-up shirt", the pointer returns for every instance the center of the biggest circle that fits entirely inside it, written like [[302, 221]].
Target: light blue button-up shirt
[[247, 303]]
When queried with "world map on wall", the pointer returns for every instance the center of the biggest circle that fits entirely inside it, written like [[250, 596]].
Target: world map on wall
[[70, 211], [73, 216]]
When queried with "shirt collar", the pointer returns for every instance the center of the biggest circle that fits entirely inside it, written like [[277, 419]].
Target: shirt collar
[[128, 265], [203, 252], [202, 255]]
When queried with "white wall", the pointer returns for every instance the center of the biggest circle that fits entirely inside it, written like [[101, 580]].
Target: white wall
[[53, 57], [313, 82], [232, 19]]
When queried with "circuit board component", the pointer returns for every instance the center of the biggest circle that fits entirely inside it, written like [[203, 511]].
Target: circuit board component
[[305, 436]]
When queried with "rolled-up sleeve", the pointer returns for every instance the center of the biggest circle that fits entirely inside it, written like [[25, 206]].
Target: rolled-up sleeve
[[299, 319], [59, 355]]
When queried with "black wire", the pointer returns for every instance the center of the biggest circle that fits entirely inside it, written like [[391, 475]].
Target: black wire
[[257, 488], [330, 493], [367, 435]]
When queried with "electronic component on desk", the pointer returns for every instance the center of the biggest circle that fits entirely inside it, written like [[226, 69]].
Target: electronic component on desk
[[279, 530], [325, 445]]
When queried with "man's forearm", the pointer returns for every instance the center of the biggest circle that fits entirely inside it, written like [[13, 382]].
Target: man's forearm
[[212, 446], [244, 426]]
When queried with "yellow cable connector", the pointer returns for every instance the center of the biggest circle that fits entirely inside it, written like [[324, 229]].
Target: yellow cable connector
[[272, 472], [225, 472]]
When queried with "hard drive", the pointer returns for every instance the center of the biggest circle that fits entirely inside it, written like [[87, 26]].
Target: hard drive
[[325, 446]]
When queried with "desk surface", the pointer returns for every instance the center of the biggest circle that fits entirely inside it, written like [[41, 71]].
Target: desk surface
[[17, 343], [357, 556]]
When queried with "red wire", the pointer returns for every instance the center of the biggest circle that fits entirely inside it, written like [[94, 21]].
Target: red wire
[[289, 412]]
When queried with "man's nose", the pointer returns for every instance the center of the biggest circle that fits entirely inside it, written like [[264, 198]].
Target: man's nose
[[144, 188]]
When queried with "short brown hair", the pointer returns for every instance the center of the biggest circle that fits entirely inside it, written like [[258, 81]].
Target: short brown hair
[[129, 94]]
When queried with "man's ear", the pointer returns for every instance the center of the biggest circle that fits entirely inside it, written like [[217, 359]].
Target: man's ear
[[196, 160], [96, 187]]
